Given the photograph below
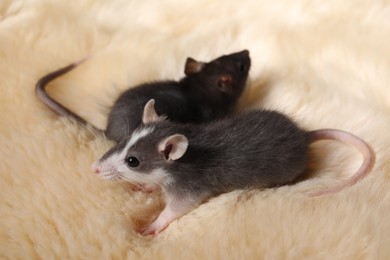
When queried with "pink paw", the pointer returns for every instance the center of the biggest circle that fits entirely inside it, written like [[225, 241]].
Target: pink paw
[[153, 229], [173, 209]]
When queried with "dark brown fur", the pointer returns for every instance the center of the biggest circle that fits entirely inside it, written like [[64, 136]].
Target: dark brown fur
[[209, 91]]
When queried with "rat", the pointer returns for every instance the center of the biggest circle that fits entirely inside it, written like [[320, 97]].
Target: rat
[[191, 163], [208, 91]]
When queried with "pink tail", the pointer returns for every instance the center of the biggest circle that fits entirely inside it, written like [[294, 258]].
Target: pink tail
[[362, 146]]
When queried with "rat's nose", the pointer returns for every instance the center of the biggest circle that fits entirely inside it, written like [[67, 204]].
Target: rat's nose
[[96, 168]]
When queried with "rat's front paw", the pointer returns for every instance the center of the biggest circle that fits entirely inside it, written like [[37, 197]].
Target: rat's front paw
[[153, 229], [174, 208]]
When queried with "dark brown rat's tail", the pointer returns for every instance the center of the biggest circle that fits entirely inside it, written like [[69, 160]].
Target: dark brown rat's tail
[[362, 146], [53, 104]]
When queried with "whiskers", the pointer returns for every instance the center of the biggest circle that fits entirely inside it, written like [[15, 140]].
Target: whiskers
[[132, 182], [137, 184]]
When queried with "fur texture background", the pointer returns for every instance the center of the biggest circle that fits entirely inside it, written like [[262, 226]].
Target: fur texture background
[[326, 63]]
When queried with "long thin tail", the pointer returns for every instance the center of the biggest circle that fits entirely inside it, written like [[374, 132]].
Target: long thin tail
[[362, 146], [40, 90]]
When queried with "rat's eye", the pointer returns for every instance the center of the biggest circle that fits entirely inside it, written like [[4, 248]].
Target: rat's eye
[[132, 161]]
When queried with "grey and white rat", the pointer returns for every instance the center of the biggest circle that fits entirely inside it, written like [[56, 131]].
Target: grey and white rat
[[190, 163], [208, 91]]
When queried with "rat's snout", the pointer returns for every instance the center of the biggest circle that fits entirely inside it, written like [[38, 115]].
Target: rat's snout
[[105, 170], [96, 168]]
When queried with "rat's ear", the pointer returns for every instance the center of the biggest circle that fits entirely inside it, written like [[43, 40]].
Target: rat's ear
[[225, 84], [173, 147], [192, 66], [150, 115]]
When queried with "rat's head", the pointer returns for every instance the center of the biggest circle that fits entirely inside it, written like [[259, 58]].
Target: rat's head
[[142, 157], [222, 79]]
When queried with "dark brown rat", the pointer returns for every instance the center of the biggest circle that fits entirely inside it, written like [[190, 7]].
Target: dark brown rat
[[190, 163], [208, 91]]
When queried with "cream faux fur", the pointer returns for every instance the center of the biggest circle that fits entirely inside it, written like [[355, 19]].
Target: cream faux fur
[[326, 63]]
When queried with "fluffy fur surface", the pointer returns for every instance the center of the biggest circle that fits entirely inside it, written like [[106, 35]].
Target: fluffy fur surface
[[326, 63]]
